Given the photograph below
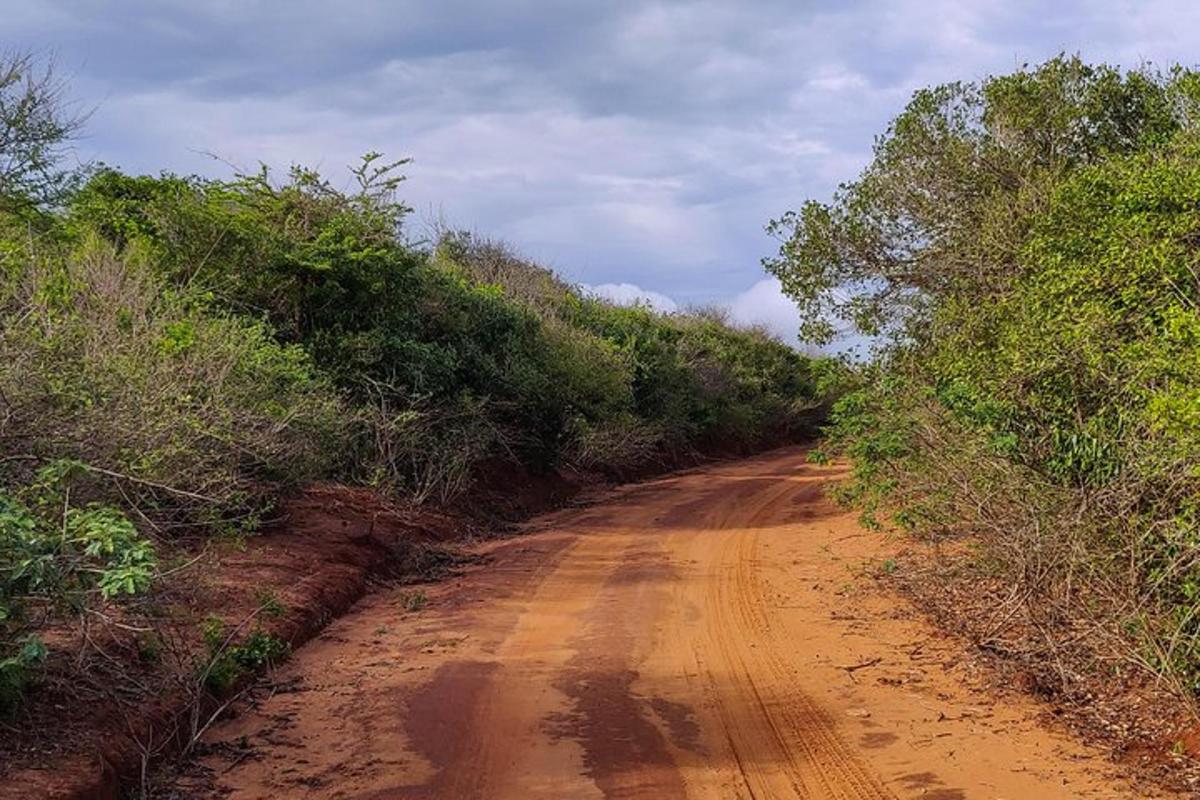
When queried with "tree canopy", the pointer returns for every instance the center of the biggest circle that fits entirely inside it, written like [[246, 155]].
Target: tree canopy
[[944, 208]]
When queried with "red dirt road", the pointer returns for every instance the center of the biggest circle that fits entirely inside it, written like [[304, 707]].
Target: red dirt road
[[706, 635]]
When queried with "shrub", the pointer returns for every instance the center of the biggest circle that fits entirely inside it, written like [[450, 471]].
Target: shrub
[[191, 411], [55, 554], [454, 357], [1031, 243], [18, 670], [52, 548], [230, 661], [414, 601], [614, 445]]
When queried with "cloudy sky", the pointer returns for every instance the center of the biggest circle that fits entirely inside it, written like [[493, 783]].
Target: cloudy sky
[[638, 147]]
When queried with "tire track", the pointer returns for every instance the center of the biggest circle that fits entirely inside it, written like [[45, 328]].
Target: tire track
[[820, 765], [677, 641]]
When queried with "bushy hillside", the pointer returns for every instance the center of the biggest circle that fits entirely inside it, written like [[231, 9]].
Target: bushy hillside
[[175, 352]]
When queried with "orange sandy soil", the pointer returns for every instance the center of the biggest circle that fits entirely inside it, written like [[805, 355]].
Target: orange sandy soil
[[713, 634], [84, 732]]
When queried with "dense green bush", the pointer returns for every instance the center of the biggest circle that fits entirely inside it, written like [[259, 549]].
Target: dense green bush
[[1031, 244], [129, 410], [193, 411], [231, 658], [456, 355], [54, 554]]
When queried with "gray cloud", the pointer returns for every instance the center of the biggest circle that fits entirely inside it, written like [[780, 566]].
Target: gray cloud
[[621, 142]]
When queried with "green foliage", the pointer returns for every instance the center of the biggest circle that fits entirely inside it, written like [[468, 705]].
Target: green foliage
[[269, 605], [230, 661], [451, 358], [18, 670], [54, 549], [36, 126], [818, 456], [194, 410], [957, 179], [1031, 243], [56, 554], [703, 384]]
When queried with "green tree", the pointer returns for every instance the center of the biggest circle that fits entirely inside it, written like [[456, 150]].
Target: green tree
[[943, 210], [36, 128], [1029, 244]]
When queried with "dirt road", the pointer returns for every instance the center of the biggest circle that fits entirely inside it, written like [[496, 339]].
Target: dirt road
[[712, 634]]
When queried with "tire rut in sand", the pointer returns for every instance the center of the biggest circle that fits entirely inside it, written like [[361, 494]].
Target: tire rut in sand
[[682, 639], [815, 762]]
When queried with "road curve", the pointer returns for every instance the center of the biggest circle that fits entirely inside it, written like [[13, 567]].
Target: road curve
[[712, 634]]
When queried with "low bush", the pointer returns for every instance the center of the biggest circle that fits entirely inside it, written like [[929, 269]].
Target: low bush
[[231, 659], [130, 413], [458, 355], [191, 412], [57, 555], [18, 670]]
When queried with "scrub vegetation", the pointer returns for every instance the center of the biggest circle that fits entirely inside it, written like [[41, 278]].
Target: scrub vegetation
[[176, 352], [1026, 249]]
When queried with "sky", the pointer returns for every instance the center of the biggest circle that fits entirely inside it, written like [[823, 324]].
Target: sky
[[635, 147]]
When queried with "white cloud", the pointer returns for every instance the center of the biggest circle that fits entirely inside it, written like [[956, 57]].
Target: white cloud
[[765, 304], [629, 294]]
